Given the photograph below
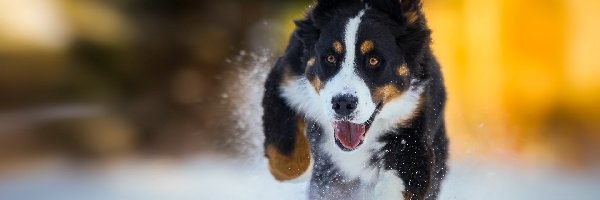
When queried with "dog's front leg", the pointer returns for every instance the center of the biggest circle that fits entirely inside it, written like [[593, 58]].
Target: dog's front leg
[[416, 170], [410, 158], [286, 145]]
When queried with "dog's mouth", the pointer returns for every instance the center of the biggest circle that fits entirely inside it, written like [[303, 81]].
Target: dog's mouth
[[349, 136]]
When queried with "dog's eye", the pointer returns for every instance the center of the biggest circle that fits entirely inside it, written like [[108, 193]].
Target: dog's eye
[[331, 59], [373, 62]]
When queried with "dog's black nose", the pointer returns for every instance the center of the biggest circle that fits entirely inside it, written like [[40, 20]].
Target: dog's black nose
[[344, 105]]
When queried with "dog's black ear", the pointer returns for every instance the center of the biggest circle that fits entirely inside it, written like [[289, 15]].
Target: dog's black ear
[[325, 6], [308, 29], [286, 145], [307, 32], [405, 12]]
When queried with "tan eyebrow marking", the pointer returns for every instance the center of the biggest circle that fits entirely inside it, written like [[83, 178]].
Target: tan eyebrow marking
[[338, 47], [402, 70], [310, 62], [366, 46]]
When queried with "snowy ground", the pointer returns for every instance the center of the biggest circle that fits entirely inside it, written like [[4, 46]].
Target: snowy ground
[[217, 180]]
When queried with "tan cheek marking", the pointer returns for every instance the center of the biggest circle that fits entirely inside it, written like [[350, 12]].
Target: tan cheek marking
[[366, 46], [316, 83], [309, 64], [386, 93], [286, 76], [286, 167], [338, 47], [402, 70]]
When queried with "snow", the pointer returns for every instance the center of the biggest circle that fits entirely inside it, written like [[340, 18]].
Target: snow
[[201, 179], [210, 178]]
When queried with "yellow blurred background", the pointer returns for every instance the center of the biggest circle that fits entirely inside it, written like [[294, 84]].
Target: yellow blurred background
[[522, 78], [95, 80]]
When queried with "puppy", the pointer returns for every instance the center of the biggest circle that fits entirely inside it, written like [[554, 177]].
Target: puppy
[[356, 103]]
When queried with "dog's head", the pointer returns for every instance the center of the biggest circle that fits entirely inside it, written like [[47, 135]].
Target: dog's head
[[361, 56]]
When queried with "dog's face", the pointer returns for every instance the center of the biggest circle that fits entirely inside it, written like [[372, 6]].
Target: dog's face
[[357, 64]]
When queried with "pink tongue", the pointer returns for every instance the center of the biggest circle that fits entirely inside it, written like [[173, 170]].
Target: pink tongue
[[349, 134]]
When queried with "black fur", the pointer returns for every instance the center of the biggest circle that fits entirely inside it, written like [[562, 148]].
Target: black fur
[[418, 150], [279, 120]]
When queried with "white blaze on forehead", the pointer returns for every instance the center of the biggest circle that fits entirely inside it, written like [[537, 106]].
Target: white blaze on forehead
[[350, 37]]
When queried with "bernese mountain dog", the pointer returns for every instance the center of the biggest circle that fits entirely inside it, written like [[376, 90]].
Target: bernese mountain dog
[[356, 103]]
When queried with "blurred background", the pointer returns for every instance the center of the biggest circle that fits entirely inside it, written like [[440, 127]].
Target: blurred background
[[110, 95]]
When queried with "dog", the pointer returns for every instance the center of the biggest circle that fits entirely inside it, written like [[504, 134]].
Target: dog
[[356, 103]]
